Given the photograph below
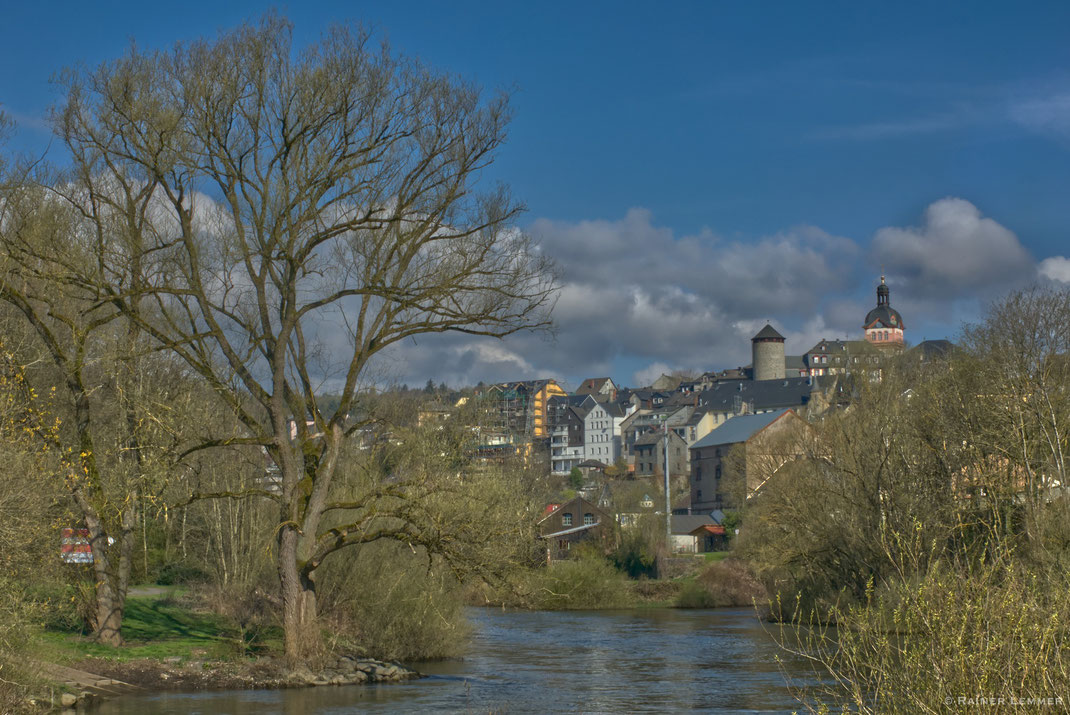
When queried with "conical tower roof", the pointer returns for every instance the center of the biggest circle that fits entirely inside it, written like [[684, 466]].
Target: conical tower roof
[[768, 333]]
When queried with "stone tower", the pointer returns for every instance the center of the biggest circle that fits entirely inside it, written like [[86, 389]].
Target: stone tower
[[767, 354]]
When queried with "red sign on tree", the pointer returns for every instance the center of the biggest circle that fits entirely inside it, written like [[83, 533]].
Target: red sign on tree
[[74, 547]]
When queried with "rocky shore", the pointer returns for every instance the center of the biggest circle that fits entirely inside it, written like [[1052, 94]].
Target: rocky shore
[[349, 670], [264, 673]]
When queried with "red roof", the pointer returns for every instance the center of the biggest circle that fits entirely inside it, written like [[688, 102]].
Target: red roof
[[712, 529]]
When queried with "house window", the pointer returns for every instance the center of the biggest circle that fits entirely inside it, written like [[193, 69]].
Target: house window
[[698, 494], [717, 472], [566, 520], [698, 474], [588, 519]]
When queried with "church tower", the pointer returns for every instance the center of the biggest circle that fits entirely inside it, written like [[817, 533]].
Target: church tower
[[884, 326]]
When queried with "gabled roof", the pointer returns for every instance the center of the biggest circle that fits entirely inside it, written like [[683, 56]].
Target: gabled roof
[[739, 429], [649, 437], [573, 530], [613, 409], [550, 512], [682, 524], [568, 399], [761, 394], [843, 347], [592, 385], [696, 416], [708, 529]]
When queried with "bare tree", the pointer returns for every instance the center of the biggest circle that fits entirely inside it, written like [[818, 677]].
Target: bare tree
[[97, 424], [311, 209]]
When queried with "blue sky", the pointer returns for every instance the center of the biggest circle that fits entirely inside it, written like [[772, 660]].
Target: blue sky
[[698, 168]]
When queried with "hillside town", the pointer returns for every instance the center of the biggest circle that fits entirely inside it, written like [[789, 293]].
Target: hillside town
[[623, 446], [441, 357]]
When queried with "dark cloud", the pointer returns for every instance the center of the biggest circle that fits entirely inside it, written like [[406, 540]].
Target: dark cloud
[[635, 290], [635, 294]]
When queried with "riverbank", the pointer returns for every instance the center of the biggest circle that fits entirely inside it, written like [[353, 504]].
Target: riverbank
[[177, 641], [259, 674], [590, 582], [648, 660], [172, 644]]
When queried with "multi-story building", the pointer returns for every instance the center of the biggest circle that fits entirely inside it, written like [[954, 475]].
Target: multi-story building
[[601, 427], [524, 405], [762, 455], [567, 445]]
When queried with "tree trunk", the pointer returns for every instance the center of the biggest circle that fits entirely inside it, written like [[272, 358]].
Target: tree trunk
[[108, 620], [298, 601]]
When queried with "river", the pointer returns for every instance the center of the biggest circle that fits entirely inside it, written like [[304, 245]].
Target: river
[[650, 660]]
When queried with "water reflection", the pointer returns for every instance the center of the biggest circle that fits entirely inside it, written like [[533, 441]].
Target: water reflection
[[601, 661]]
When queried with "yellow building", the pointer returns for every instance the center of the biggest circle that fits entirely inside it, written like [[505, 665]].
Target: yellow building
[[524, 405]]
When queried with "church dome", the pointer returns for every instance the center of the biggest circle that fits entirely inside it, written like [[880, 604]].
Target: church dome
[[884, 315]]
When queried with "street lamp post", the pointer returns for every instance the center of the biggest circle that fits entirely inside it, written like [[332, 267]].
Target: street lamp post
[[668, 504]]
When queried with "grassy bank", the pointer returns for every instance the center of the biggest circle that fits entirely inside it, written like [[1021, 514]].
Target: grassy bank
[[163, 626]]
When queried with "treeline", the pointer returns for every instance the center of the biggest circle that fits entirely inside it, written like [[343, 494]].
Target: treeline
[[919, 539]]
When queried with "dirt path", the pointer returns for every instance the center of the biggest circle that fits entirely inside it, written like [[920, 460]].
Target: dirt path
[[142, 591], [81, 680]]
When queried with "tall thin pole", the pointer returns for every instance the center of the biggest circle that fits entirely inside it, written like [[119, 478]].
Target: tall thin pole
[[668, 505]]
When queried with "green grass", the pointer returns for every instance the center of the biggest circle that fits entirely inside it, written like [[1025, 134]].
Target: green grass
[[155, 627], [713, 556]]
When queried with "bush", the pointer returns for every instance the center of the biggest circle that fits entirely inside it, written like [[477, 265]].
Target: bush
[[721, 584], [636, 555], [386, 602], [181, 572], [17, 674], [585, 582], [987, 629]]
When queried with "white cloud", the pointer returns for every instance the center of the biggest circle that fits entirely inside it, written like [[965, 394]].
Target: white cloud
[[1046, 115], [955, 253], [905, 127], [1055, 268]]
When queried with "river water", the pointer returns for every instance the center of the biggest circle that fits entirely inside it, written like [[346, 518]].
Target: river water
[[651, 660]]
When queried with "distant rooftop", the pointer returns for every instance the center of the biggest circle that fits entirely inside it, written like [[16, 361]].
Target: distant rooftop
[[739, 429]]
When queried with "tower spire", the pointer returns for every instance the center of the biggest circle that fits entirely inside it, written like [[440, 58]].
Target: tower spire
[[882, 292]]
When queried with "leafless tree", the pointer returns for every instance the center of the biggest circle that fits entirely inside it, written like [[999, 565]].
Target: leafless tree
[[309, 209]]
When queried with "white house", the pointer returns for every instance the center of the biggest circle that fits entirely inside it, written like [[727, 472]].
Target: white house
[[601, 431]]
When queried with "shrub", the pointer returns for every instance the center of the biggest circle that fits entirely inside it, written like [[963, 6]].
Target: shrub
[[387, 602], [723, 583], [587, 581], [636, 555], [181, 572], [17, 674], [985, 629]]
